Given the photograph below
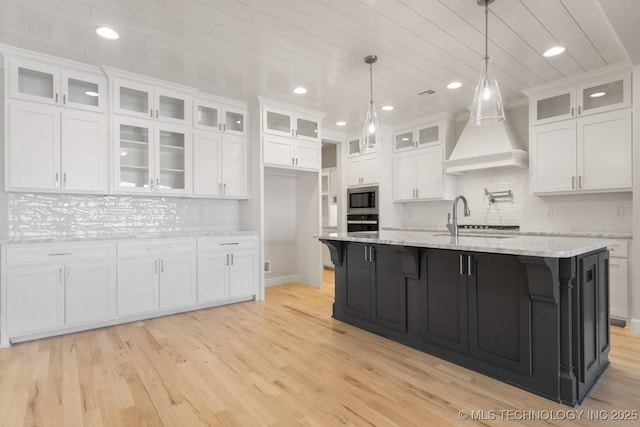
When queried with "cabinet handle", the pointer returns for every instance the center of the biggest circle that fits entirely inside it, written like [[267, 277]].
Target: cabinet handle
[[224, 127], [371, 254], [229, 243], [162, 266], [469, 266], [151, 184], [151, 112], [295, 133], [64, 179], [293, 161], [580, 182], [231, 259], [156, 114], [64, 253], [227, 259], [292, 132], [56, 98], [64, 99], [224, 188], [417, 193], [219, 188], [157, 184], [296, 161], [461, 264], [573, 182], [572, 111], [579, 109], [57, 178], [219, 126], [155, 266], [365, 253]]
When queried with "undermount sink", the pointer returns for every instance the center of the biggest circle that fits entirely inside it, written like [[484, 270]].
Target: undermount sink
[[484, 236]]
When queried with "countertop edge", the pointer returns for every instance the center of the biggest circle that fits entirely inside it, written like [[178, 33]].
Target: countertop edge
[[586, 234]]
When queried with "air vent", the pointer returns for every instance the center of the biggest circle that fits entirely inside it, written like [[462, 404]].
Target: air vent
[[427, 92]]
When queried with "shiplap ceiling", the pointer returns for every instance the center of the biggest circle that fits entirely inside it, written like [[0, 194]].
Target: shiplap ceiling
[[245, 48]]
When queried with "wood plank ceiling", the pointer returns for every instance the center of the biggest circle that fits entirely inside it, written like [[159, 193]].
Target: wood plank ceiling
[[245, 48]]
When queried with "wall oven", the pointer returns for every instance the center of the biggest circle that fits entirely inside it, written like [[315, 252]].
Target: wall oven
[[362, 209], [366, 222]]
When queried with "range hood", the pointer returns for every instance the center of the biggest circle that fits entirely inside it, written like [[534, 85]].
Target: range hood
[[482, 147]]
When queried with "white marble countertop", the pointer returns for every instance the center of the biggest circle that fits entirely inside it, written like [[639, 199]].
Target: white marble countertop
[[73, 238], [541, 246], [599, 234]]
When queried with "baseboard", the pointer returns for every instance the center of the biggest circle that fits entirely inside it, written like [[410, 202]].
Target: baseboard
[[635, 326], [275, 281]]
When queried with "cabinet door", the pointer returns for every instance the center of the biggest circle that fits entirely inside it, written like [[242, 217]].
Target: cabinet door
[[35, 298], [133, 99], [213, 282], [429, 135], [90, 291], [404, 141], [133, 156], [357, 292], [243, 273], [354, 147], [278, 151], [443, 293], [234, 166], [390, 293], [277, 122], [178, 285], [370, 168], [173, 159], [83, 90], [499, 311], [207, 115], [235, 121], [307, 127], [33, 160], [553, 157], [137, 285], [404, 176], [604, 94], [172, 106], [605, 159], [354, 171], [553, 106], [207, 180], [34, 81], [85, 151], [429, 173], [308, 155], [619, 287]]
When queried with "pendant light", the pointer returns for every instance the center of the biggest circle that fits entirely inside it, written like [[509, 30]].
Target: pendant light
[[371, 131], [487, 108]]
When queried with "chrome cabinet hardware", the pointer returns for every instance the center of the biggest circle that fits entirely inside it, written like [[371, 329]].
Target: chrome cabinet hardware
[[469, 265], [64, 179], [224, 188], [56, 98], [573, 182], [64, 253], [161, 265], [579, 109], [461, 264], [156, 114], [580, 182], [64, 99], [224, 127], [229, 243], [572, 111], [157, 184], [151, 112], [155, 266], [231, 259]]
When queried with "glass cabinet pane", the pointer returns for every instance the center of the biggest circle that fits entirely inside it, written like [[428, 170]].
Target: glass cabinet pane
[[554, 106], [308, 128], [172, 108], [35, 83], [354, 146], [429, 135], [172, 161], [603, 95], [278, 122], [207, 116], [82, 92], [134, 100], [134, 157], [234, 121], [404, 140]]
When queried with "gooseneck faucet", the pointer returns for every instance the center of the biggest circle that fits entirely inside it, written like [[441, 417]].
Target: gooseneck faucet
[[453, 226]]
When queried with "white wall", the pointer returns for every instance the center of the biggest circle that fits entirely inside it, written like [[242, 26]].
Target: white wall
[[635, 260]]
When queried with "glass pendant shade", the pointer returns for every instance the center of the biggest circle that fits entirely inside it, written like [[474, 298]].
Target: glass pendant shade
[[487, 108], [371, 130]]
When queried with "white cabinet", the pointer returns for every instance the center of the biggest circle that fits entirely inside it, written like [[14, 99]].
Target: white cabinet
[[619, 280], [592, 153], [219, 165], [291, 123], [154, 275], [50, 286], [291, 153], [418, 137], [227, 267], [330, 184], [419, 175], [53, 84], [151, 157], [363, 169], [141, 100], [210, 114], [592, 96]]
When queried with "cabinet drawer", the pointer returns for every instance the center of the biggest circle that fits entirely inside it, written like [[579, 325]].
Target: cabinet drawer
[[619, 249], [58, 252], [155, 247], [227, 243]]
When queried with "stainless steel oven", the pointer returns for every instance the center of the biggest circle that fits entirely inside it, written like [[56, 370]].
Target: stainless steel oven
[[364, 222], [363, 200]]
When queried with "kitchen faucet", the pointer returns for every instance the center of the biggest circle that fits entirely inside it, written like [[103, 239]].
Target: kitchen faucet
[[453, 227]]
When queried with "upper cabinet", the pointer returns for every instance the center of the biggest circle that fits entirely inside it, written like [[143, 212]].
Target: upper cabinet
[[595, 95], [295, 124], [215, 115], [421, 136], [152, 102], [362, 169], [580, 138], [51, 84]]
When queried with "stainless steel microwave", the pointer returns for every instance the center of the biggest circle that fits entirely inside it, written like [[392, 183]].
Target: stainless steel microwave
[[363, 200]]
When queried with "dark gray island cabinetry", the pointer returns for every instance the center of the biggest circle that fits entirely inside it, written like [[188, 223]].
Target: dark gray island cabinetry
[[535, 318]]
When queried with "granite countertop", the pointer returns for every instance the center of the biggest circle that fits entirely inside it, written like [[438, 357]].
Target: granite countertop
[[540, 246], [167, 235], [599, 234]]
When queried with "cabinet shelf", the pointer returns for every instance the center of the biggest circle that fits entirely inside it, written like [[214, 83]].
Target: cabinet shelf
[[134, 144], [133, 167], [171, 170], [171, 147]]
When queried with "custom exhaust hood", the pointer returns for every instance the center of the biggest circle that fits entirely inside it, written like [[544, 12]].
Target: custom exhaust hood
[[483, 147]]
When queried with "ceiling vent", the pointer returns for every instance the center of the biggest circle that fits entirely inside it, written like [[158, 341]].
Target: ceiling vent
[[427, 92]]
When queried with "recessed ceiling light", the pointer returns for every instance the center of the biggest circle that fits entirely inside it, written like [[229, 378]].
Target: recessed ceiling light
[[454, 85], [300, 90], [556, 50], [597, 94], [107, 33], [341, 123], [387, 108], [91, 93]]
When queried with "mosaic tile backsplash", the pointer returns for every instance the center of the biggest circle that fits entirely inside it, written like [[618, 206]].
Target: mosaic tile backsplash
[[87, 216]]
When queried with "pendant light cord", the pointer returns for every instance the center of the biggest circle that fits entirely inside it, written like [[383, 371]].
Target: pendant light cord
[[371, 81], [486, 30]]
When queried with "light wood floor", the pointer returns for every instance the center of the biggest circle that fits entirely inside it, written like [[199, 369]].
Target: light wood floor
[[281, 362]]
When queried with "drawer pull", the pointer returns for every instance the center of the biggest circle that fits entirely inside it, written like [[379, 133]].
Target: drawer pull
[[64, 253], [229, 244]]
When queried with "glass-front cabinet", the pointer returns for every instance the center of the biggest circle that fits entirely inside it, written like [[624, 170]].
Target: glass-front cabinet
[[49, 84], [421, 136], [283, 122], [597, 95], [219, 117], [152, 158], [144, 101]]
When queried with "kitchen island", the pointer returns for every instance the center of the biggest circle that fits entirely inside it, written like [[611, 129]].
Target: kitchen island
[[530, 311]]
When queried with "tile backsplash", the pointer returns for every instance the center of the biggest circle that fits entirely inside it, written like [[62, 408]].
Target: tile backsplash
[[88, 216]]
